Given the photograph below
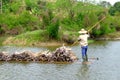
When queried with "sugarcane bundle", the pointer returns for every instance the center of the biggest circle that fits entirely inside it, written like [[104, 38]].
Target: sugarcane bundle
[[22, 56], [4, 56], [44, 56], [63, 54]]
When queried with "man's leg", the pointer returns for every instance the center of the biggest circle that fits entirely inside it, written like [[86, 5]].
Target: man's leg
[[86, 57], [83, 53]]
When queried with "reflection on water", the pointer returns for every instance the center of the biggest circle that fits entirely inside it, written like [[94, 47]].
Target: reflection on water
[[84, 69], [83, 72], [106, 68]]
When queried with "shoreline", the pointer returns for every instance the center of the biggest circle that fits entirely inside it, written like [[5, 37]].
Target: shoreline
[[22, 42], [51, 43], [107, 39], [55, 43]]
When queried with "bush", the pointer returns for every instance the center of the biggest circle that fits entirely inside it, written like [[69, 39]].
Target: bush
[[53, 29], [79, 20], [96, 32], [47, 16], [104, 28], [14, 7], [9, 20], [114, 9], [27, 21], [115, 23]]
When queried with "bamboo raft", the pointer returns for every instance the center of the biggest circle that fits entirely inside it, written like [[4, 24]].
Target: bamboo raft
[[61, 54]]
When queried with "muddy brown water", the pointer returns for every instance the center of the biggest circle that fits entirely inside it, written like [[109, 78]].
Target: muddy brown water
[[106, 68]]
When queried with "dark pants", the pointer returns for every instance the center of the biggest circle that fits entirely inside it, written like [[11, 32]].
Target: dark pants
[[84, 53]]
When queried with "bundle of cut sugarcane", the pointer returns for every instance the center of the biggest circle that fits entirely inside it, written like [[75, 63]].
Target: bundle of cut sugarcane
[[62, 54], [4, 56], [22, 56], [44, 56]]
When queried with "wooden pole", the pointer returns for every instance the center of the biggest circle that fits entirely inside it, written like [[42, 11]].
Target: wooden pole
[[96, 24]]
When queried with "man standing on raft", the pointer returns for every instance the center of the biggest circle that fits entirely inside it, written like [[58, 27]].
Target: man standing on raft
[[83, 38]]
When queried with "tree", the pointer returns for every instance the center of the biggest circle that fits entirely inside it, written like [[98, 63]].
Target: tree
[[105, 4], [112, 11], [115, 8], [67, 5]]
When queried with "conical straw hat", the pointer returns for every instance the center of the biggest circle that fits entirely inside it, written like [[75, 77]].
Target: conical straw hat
[[82, 31]]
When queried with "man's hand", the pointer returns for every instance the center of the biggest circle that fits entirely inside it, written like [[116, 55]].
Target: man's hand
[[79, 39]]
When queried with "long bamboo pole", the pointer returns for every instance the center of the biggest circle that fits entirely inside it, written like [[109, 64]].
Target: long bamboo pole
[[96, 24]]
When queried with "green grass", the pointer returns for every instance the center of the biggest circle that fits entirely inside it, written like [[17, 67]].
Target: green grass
[[2, 38], [31, 36], [90, 41]]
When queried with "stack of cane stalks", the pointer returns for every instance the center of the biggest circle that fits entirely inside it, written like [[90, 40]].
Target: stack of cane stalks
[[61, 54]]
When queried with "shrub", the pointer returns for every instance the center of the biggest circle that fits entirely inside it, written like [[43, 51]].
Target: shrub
[[53, 29], [9, 20], [27, 21], [105, 27], [96, 32], [14, 7], [47, 17]]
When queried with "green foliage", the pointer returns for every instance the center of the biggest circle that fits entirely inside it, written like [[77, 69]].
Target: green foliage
[[65, 4], [29, 4], [79, 20], [10, 6], [67, 24], [112, 11], [53, 29], [31, 35], [115, 8], [9, 20], [14, 7], [41, 5], [27, 21], [96, 32], [70, 15], [105, 4], [1, 30], [47, 17], [34, 6], [115, 23], [90, 19], [104, 28]]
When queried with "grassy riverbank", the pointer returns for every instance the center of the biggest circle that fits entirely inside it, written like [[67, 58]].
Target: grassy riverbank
[[32, 38], [25, 41], [37, 38]]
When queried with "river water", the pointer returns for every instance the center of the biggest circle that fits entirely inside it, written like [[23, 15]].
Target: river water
[[107, 67]]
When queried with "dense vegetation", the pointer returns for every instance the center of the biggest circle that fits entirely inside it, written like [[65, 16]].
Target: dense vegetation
[[45, 20]]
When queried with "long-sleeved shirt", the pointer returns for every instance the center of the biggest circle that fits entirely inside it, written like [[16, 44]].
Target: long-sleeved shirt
[[83, 39]]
